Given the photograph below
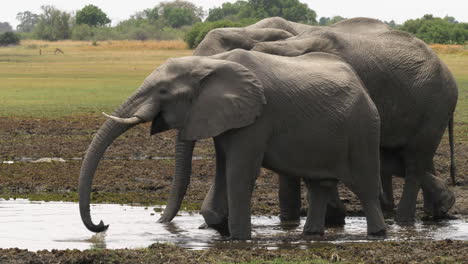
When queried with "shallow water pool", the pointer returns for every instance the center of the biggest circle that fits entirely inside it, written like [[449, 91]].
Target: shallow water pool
[[57, 225]]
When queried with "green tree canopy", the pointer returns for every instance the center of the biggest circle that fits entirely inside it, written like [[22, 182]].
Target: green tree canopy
[[437, 30], [175, 14], [228, 11], [53, 24], [28, 21], [92, 15], [5, 27], [9, 38], [292, 10], [325, 21]]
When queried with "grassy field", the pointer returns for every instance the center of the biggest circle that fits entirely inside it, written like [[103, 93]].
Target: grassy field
[[93, 78], [85, 79]]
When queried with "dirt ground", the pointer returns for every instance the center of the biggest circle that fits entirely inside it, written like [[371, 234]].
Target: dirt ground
[[134, 173]]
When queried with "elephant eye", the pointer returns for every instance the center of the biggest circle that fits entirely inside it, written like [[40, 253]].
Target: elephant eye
[[163, 91]]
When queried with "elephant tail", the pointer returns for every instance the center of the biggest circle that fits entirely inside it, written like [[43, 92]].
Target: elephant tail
[[453, 168]]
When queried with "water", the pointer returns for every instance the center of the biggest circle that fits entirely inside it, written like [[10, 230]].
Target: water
[[59, 159], [57, 225]]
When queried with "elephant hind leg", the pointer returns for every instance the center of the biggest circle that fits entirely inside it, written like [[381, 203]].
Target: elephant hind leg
[[416, 172], [317, 196], [336, 210], [289, 199]]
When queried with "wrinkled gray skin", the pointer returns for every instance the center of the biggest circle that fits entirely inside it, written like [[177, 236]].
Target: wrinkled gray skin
[[307, 116], [412, 88]]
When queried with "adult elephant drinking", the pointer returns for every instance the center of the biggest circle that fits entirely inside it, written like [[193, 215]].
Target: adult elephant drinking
[[307, 116], [413, 89]]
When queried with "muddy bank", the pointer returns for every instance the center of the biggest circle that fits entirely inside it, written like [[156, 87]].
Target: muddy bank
[[145, 181], [382, 252]]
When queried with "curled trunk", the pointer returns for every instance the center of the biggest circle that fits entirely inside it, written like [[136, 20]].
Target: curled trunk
[[108, 132], [183, 171]]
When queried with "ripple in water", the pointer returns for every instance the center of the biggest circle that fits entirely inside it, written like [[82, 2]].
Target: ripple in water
[[57, 225]]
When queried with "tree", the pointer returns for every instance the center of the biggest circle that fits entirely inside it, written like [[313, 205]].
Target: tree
[[450, 19], [28, 21], [177, 13], [9, 38], [325, 21], [292, 10], [229, 11], [5, 27], [92, 15], [437, 30], [391, 24], [53, 24]]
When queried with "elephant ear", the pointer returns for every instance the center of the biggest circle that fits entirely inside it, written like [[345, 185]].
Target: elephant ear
[[230, 96]]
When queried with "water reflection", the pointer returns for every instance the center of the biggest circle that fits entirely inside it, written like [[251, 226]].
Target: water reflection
[[57, 225]]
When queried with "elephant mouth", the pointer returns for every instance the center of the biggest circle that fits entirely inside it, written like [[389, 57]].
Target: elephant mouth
[[159, 124]]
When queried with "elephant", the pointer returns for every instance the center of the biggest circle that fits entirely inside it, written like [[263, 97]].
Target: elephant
[[412, 88], [306, 117]]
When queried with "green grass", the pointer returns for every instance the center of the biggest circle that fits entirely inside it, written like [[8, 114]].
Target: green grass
[[88, 79], [83, 80]]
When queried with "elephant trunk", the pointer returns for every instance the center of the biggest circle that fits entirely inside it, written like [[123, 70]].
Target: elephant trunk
[[108, 132], [183, 171]]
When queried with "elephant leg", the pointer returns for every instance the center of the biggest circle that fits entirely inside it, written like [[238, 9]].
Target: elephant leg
[[336, 210], [242, 170], [215, 206], [375, 221], [386, 197], [438, 198], [289, 199], [415, 172], [317, 196]]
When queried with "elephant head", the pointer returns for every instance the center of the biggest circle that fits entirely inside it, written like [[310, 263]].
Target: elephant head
[[201, 97]]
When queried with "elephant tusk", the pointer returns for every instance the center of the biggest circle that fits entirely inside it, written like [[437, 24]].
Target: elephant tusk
[[128, 121]]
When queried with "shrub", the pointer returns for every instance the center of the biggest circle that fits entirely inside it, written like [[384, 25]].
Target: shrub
[[9, 38], [198, 32], [82, 32]]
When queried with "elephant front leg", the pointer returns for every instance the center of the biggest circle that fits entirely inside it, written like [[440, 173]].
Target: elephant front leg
[[243, 163], [215, 207], [289, 200]]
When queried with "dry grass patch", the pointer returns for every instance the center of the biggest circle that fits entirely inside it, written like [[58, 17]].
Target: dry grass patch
[[450, 49]]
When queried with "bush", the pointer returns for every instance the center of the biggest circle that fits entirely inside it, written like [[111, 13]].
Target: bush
[[9, 38], [437, 30], [82, 32], [198, 32]]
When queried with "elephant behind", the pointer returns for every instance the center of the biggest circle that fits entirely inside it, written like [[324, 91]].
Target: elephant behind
[[412, 88], [307, 117]]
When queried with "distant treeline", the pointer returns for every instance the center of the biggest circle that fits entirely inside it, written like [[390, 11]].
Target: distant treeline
[[183, 20]]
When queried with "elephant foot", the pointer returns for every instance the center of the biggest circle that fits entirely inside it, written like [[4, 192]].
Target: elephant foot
[[439, 208], [378, 235], [290, 224], [215, 221], [221, 228], [313, 235], [335, 216], [403, 220]]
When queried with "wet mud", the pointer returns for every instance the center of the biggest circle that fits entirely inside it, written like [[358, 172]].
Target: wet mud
[[138, 170]]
